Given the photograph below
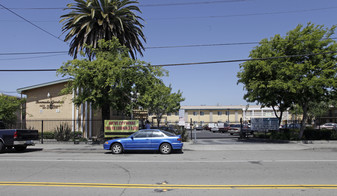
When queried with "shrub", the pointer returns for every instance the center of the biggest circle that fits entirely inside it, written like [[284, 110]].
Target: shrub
[[62, 132], [76, 135], [184, 134], [315, 134], [47, 135], [292, 134], [282, 134], [262, 135]]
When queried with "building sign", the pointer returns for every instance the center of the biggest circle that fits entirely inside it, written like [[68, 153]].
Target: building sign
[[140, 114], [181, 117], [264, 124], [120, 128], [49, 104]]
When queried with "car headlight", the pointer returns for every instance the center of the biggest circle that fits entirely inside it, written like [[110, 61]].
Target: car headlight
[[106, 142]]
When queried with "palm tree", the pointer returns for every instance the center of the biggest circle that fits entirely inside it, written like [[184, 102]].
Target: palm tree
[[92, 20]]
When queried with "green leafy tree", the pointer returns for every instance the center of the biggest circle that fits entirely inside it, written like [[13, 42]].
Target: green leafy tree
[[160, 100], [92, 20], [297, 69], [9, 108], [108, 81], [317, 110]]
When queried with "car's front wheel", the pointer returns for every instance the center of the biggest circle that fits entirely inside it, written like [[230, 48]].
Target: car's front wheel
[[116, 148], [165, 148]]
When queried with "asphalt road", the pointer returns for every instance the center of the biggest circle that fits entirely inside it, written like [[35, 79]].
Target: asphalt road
[[75, 171]]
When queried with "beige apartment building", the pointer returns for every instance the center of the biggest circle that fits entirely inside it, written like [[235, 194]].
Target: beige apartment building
[[202, 115], [46, 108]]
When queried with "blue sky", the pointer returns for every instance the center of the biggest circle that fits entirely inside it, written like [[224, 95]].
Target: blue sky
[[174, 23]]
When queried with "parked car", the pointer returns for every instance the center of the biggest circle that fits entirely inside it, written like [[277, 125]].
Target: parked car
[[146, 139], [18, 139], [291, 126], [215, 129], [206, 127], [234, 129], [199, 127], [332, 126], [223, 127]]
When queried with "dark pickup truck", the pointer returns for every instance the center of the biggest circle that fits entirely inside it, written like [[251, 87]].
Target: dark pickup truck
[[17, 138]]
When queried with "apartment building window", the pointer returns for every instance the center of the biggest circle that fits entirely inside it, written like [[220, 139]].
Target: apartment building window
[[219, 113], [195, 113], [177, 113], [202, 113], [169, 114]]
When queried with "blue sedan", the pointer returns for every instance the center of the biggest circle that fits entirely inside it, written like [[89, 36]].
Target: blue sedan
[[146, 139]]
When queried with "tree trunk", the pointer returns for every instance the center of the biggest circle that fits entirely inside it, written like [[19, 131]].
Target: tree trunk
[[304, 119], [279, 117], [158, 120], [105, 115]]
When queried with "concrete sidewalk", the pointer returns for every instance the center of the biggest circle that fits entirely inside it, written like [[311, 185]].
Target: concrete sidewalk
[[211, 145]]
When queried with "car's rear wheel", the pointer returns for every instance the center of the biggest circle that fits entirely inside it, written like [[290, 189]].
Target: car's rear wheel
[[2, 147], [116, 148], [20, 148], [165, 148]]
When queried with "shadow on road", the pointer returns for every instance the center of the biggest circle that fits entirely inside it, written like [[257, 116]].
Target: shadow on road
[[28, 150], [144, 152]]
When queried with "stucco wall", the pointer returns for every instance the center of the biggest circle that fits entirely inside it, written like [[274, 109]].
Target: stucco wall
[[56, 107]]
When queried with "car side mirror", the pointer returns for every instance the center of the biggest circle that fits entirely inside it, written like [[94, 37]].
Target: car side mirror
[[132, 137]]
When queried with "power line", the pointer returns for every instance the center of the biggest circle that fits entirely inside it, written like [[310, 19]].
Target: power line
[[34, 57], [32, 53], [158, 47], [201, 45], [243, 60], [185, 64], [3, 92], [31, 23], [190, 3], [217, 16], [249, 14], [143, 5]]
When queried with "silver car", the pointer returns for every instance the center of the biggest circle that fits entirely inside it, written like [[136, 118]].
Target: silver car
[[215, 129], [234, 129], [332, 126]]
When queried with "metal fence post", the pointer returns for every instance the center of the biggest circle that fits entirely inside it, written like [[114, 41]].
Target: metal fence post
[[41, 131], [191, 127]]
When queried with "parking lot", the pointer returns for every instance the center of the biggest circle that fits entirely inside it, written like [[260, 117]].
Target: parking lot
[[205, 134]]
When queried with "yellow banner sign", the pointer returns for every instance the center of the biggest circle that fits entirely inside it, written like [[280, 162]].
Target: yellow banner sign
[[120, 128]]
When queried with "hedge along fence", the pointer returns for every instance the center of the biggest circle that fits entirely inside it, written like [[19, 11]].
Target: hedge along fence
[[63, 133], [293, 134], [323, 134], [52, 135]]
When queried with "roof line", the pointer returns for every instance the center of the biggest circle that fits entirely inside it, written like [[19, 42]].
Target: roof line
[[20, 90]]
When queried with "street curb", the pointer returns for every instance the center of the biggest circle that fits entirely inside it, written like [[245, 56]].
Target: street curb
[[191, 146]]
